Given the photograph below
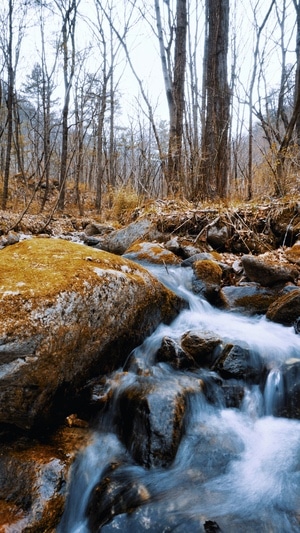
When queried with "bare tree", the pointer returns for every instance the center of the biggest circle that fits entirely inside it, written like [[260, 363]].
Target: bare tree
[[11, 53], [174, 79], [68, 12], [214, 164]]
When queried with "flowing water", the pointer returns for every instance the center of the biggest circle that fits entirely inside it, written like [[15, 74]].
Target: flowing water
[[236, 469]]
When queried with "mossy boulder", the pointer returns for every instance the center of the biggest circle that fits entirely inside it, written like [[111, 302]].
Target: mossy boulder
[[68, 312], [250, 299], [207, 280], [268, 272], [286, 309]]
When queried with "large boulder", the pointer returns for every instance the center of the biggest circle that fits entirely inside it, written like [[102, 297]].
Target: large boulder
[[268, 272], [33, 479], [120, 240], [68, 312], [248, 298], [286, 309]]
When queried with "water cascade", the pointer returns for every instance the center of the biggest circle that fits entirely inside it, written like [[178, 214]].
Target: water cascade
[[236, 466]]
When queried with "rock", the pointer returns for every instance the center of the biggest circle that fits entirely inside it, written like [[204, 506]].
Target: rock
[[297, 326], [239, 362], [118, 492], [94, 228], [291, 377], [172, 353], [119, 241], [201, 346], [285, 224], [207, 280], [286, 309], [267, 272], [247, 241], [182, 247], [248, 298], [151, 418], [33, 477], [11, 238], [66, 312], [189, 261], [293, 254], [151, 253], [218, 236]]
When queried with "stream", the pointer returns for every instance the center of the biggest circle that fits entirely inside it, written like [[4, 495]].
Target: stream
[[236, 469]]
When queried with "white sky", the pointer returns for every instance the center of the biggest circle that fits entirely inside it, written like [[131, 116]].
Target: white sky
[[144, 51]]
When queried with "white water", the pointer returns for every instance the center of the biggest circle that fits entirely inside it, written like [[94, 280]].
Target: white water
[[238, 467]]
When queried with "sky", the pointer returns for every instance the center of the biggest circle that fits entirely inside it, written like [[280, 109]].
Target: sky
[[143, 46]]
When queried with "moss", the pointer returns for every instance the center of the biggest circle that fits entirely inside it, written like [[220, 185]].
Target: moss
[[42, 267], [260, 302], [153, 253], [208, 271]]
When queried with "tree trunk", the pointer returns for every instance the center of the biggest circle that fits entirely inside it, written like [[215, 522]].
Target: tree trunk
[[10, 103], [174, 87], [214, 165]]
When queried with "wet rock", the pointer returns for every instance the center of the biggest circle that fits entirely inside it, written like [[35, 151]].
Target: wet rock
[[118, 241], [201, 346], [233, 394], [268, 273], [248, 298], [82, 311], [154, 518], [33, 478], [171, 352], [207, 280], [119, 491], [239, 362], [286, 309], [297, 326], [291, 378], [151, 417], [151, 253]]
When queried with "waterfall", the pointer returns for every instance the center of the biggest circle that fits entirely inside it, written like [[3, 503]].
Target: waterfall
[[236, 468], [274, 392]]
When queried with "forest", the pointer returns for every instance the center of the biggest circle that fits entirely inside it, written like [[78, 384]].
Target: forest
[[166, 99]]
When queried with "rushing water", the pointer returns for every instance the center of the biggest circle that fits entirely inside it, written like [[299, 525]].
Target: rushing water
[[236, 468]]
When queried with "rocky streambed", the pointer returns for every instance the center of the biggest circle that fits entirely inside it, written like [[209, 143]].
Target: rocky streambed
[[75, 303]]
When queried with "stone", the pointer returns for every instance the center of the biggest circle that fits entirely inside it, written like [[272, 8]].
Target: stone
[[268, 273], [151, 414], [201, 346], [291, 377], [293, 254], [149, 252], [207, 280], [239, 362], [33, 479], [120, 240], [218, 236], [171, 352], [68, 311], [248, 298], [286, 309], [94, 228]]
